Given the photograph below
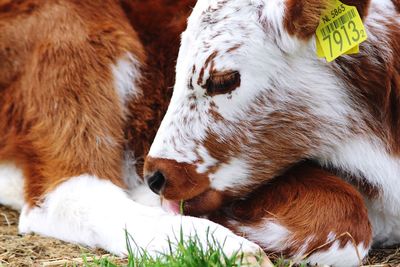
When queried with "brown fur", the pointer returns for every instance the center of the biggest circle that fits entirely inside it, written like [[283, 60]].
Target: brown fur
[[397, 5], [60, 115], [60, 82], [308, 202]]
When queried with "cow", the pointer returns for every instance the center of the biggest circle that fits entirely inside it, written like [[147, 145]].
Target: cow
[[254, 109]]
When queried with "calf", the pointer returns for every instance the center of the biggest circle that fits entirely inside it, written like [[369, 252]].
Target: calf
[[81, 95], [252, 99]]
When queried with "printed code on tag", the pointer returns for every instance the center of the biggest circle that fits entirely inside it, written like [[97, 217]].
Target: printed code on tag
[[337, 23]]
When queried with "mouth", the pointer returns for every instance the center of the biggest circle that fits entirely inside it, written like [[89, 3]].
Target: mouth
[[200, 205], [171, 206]]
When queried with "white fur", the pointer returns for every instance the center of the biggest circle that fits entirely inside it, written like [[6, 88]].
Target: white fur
[[270, 235], [274, 12], [11, 186], [138, 191], [299, 256], [129, 172], [95, 212], [238, 171], [273, 236], [336, 256], [126, 73], [385, 225], [368, 158], [143, 195], [208, 160]]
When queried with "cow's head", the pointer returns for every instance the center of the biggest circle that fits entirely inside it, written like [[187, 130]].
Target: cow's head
[[250, 100]]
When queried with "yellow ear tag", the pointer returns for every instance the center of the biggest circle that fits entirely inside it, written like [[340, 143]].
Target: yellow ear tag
[[354, 50], [340, 31], [321, 54]]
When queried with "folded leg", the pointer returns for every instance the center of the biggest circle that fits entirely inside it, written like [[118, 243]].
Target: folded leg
[[96, 213], [306, 213]]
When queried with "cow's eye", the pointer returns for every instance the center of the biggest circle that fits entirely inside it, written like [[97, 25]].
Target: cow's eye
[[222, 82]]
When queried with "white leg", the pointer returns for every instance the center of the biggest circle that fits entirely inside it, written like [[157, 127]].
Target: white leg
[[143, 195], [340, 256], [11, 186], [95, 212], [275, 237]]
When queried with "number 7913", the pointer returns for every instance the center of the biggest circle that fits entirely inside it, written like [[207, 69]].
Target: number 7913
[[346, 36]]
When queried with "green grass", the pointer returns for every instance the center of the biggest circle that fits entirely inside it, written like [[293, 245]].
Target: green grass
[[187, 253]]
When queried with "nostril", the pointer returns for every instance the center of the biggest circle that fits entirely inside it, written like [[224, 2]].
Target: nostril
[[156, 182]]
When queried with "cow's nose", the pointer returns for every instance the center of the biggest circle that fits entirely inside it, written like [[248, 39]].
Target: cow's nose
[[156, 182], [174, 180]]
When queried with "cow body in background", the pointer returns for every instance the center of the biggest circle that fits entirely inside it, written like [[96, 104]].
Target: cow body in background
[[252, 99]]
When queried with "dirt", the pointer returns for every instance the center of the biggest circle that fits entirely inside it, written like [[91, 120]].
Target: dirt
[[34, 250]]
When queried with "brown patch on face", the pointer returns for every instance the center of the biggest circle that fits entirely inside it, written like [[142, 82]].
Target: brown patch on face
[[213, 111], [201, 76], [234, 48], [223, 150], [190, 85], [269, 145], [209, 60], [182, 180], [302, 16], [309, 202]]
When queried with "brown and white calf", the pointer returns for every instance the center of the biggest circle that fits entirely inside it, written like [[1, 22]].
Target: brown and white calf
[[81, 96], [252, 99]]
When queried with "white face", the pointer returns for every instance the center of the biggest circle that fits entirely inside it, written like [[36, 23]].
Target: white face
[[247, 102]]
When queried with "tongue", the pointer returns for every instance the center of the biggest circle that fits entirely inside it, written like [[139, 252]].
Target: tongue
[[171, 206]]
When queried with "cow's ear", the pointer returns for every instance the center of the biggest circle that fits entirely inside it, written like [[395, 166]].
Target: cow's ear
[[302, 17]]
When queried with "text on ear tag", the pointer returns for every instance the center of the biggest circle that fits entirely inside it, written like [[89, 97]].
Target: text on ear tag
[[340, 31]]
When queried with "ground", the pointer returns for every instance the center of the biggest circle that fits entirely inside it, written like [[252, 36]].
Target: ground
[[32, 250]]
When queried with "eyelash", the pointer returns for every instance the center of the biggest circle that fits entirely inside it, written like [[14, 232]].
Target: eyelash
[[223, 83]]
